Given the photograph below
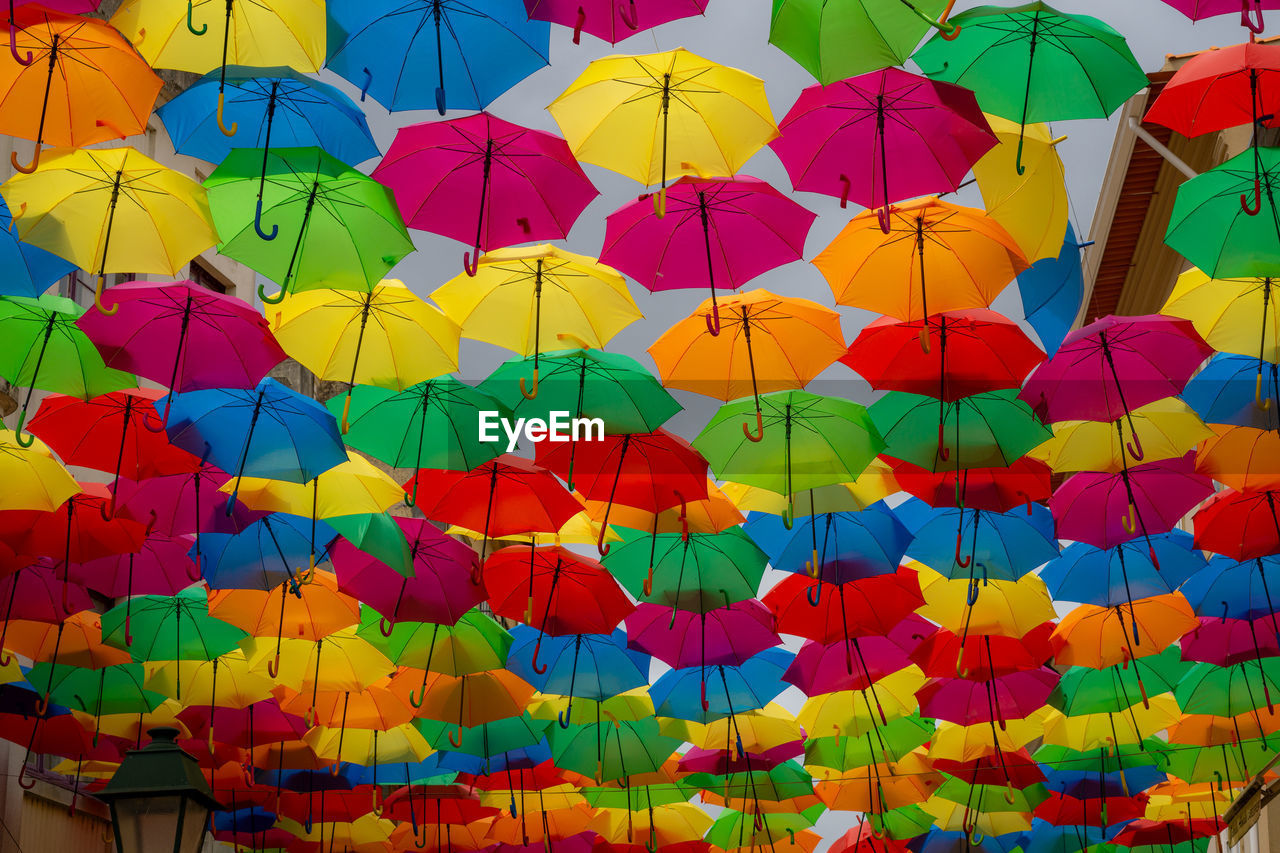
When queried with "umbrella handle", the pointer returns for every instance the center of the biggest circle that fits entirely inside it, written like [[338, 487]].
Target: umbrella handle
[[13, 48], [660, 203], [440, 100], [1135, 449], [562, 717], [196, 565], [706, 706], [759, 433], [1026, 498], [530, 394], [257, 224], [1252, 208], [345, 424], [457, 742], [713, 321], [788, 517], [385, 627], [962, 562], [1247, 21], [882, 218], [537, 647], [812, 567], [1008, 794], [971, 596], [416, 701], [814, 594], [226, 131], [191, 24], [469, 266], [270, 300], [98, 291], [42, 705], [22, 778], [943, 452], [147, 420], [17, 432], [578, 24], [1128, 522], [476, 580], [30, 167], [844, 193], [1257, 394], [420, 845], [628, 15], [128, 638], [112, 126], [273, 667], [514, 812], [602, 546], [5, 658], [924, 337], [648, 583]]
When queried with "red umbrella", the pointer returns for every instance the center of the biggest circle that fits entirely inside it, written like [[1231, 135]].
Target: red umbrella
[[439, 591], [504, 496], [977, 351], [1157, 833], [60, 735], [256, 724], [484, 178], [1061, 810], [651, 471], [325, 805], [1016, 768], [994, 700], [833, 613], [1241, 525], [1027, 480], [864, 838], [423, 805], [946, 653]]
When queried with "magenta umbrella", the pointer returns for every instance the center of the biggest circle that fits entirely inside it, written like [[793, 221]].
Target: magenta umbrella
[[1109, 509], [161, 567], [1198, 10], [882, 137], [970, 702], [440, 590], [1224, 642], [824, 667], [182, 335], [36, 594], [612, 20], [484, 178], [722, 231]]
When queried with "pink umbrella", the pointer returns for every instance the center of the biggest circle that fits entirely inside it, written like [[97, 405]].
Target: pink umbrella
[[1005, 697], [36, 594], [722, 762], [513, 183], [1224, 642], [824, 667], [162, 567], [1198, 10], [612, 20], [882, 137], [440, 590], [716, 230], [1108, 509], [182, 335]]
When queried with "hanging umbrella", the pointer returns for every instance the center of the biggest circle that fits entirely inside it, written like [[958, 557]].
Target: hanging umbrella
[[719, 230], [589, 666], [1032, 205], [840, 139], [834, 546], [1052, 291], [1241, 525], [612, 749], [554, 590], [988, 546], [475, 643], [1033, 63], [1165, 429], [80, 83], [34, 479], [1227, 391], [662, 113], [585, 301], [997, 489], [31, 270], [1212, 228], [823, 668], [988, 430], [965, 255], [680, 638], [839, 613], [1104, 636], [601, 18], [1240, 457], [694, 572], [277, 549], [471, 53], [321, 204], [515, 183], [1199, 9], [72, 207], [35, 594], [750, 686], [173, 627], [1110, 576], [946, 652]]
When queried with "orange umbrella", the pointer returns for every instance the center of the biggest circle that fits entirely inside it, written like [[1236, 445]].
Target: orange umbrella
[[468, 700], [712, 515], [936, 257], [75, 641], [1209, 730], [79, 83], [450, 837], [878, 788], [316, 610], [375, 707], [1241, 457], [1099, 637], [541, 825]]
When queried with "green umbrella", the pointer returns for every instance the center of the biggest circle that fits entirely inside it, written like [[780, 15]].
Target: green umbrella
[[1108, 759], [639, 797], [906, 822], [992, 798], [697, 571], [1210, 228], [809, 441], [990, 430], [1236, 762], [588, 383], [785, 781], [113, 689], [338, 227], [1033, 63], [611, 749], [378, 535], [742, 829], [1226, 691], [1113, 689], [44, 348], [485, 740], [475, 644], [835, 39], [884, 744]]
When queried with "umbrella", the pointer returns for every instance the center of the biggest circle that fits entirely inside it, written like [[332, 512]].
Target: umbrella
[[88, 82], [681, 638], [1099, 636], [823, 668], [169, 627], [725, 230], [834, 546], [1211, 227], [277, 549], [590, 666], [471, 52], [1032, 206], [1052, 291], [164, 324], [1239, 457], [554, 590], [475, 643], [1241, 525], [750, 686], [1110, 576], [1033, 63], [319, 201], [839, 613], [612, 749], [998, 489], [30, 270], [661, 113], [1002, 545], [1165, 429], [833, 41], [940, 257], [694, 572], [1199, 9], [840, 139], [1229, 589], [72, 207], [34, 479], [587, 301], [601, 18], [515, 183]]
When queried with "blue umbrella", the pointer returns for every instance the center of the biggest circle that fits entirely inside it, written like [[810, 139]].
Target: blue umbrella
[[268, 431], [1230, 590], [1226, 389], [752, 685], [28, 271], [1082, 782], [999, 545], [1109, 577], [594, 666], [1046, 837], [848, 546], [1052, 291], [950, 841], [453, 54], [516, 759], [250, 820], [264, 554]]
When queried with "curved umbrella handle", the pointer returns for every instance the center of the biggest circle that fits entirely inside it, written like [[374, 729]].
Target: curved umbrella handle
[[456, 741], [514, 812], [603, 547], [420, 844], [537, 647], [30, 167], [17, 432], [154, 422], [13, 48], [759, 433], [385, 627], [660, 203], [469, 266], [23, 782], [971, 595], [812, 567], [1135, 449], [1262, 404], [962, 562], [440, 100], [226, 131], [713, 321], [628, 15], [476, 579], [924, 337], [1026, 498], [271, 300], [1022, 170], [562, 717], [416, 701], [42, 705], [882, 219], [98, 290], [814, 594], [1252, 208], [195, 564], [1246, 19], [530, 393], [1129, 520], [844, 193], [257, 224], [191, 24], [578, 25], [273, 667]]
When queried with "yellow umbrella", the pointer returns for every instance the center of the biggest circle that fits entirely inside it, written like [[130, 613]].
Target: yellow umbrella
[[364, 830], [580, 529], [340, 661], [1003, 607], [969, 743], [369, 746], [873, 484], [853, 713], [673, 823], [504, 302], [33, 479], [958, 817], [1237, 315], [1033, 207], [225, 681], [555, 798], [111, 210], [670, 113], [134, 726], [625, 707], [387, 337], [356, 487], [1128, 726], [1166, 429], [761, 730]]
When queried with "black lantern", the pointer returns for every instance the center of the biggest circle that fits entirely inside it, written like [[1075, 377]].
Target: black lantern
[[159, 798]]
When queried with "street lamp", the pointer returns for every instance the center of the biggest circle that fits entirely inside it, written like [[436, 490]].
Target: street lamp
[[158, 797]]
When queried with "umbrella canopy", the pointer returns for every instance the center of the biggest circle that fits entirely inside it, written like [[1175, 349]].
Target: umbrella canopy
[[1212, 229], [31, 270], [1032, 205], [612, 20]]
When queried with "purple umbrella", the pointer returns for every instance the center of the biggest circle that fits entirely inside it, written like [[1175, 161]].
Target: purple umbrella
[[1198, 10], [824, 668], [882, 137], [440, 590], [1005, 697], [484, 178], [182, 335], [722, 231], [1109, 509]]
